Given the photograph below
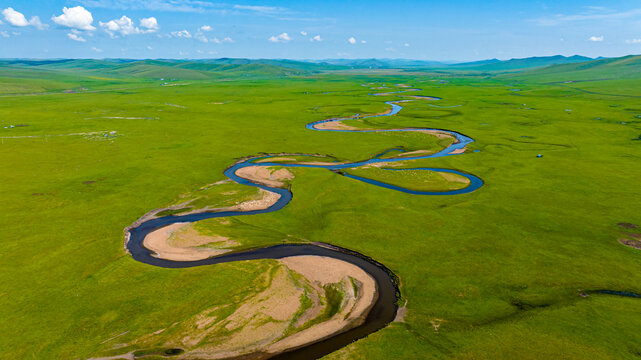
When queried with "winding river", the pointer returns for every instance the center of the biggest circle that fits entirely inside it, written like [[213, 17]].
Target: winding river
[[384, 309]]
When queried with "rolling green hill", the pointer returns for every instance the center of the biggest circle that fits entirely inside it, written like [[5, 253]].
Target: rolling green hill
[[525, 63], [156, 69], [627, 67]]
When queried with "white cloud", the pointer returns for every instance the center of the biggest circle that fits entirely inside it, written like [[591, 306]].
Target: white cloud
[[304, 33], [125, 26], [96, 49], [149, 47], [4, 34], [633, 41], [351, 40], [260, 9], [149, 25], [363, 42], [35, 22], [390, 49], [181, 34], [206, 28], [225, 40], [201, 37], [316, 38], [75, 17], [280, 38], [14, 18], [76, 37], [596, 38], [406, 45]]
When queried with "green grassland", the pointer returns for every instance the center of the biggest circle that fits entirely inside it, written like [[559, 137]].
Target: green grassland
[[495, 274], [421, 180]]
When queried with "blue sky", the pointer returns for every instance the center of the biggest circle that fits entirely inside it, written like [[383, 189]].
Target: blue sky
[[430, 30]]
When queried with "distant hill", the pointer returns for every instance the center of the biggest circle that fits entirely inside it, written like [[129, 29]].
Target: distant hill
[[380, 63], [547, 67], [167, 69], [482, 65], [525, 63], [626, 67]]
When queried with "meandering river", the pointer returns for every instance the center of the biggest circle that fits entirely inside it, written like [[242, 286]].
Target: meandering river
[[384, 309]]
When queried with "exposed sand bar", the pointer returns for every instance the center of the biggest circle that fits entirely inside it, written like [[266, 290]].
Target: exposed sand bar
[[159, 241], [325, 270], [264, 175]]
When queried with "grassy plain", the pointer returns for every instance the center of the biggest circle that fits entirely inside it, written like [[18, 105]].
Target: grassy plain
[[498, 273]]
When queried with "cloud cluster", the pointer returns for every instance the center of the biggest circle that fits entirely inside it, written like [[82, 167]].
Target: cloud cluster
[[224, 40], [125, 26], [633, 41], [149, 25], [596, 38], [181, 34], [200, 35], [280, 38], [16, 18], [75, 35], [260, 9], [75, 18], [352, 40]]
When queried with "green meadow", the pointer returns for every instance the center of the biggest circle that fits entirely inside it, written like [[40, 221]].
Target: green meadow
[[508, 271]]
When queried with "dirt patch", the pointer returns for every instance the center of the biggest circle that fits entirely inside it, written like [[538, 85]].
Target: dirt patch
[[273, 319], [438, 134], [455, 178], [631, 243], [415, 153], [181, 242], [627, 225], [259, 321], [268, 199], [335, 125], [355, 306], [458, 151], [265, 176], [321, 163], [382, 165], [634, 236], [419, 97], [127, 356], [400, 313]]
